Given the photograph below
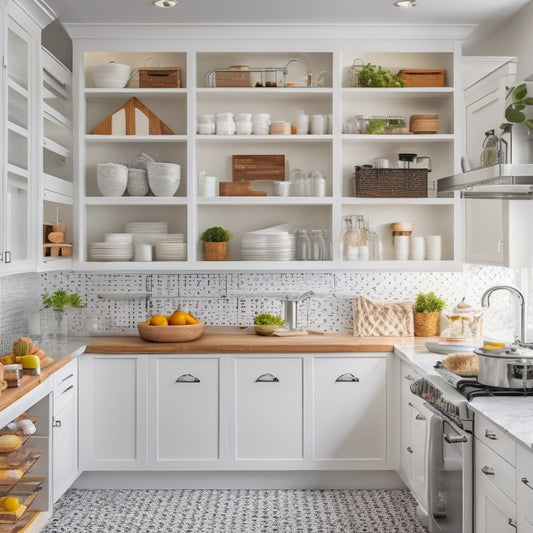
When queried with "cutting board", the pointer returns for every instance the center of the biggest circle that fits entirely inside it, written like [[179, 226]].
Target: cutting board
[[231, 188], [258, 167]]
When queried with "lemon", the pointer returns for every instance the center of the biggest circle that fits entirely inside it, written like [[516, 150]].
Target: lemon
[[191, 319], [178, 318], [158, 320], [11, 504], [29, 361]]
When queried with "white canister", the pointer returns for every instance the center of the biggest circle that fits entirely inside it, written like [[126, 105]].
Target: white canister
[[210, 185], [143, 252], [318, 125], [433, 247], [281, 188], [301, 123], [401, 247], [418, 248]]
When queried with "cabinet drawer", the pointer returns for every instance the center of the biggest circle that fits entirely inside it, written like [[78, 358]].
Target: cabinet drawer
[[65, 386], [495, 438], [524, 475], [489, 465]]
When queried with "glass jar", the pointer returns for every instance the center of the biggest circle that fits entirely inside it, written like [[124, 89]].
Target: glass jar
[[354, 241], [375, 246]]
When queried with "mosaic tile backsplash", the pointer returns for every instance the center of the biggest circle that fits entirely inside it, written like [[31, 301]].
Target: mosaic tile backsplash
[[116, 302]]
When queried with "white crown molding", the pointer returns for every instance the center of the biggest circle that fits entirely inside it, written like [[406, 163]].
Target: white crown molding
[[267, 31], [38, 10]]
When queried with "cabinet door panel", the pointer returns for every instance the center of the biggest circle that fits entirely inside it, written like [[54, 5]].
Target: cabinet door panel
[[187, 414], [524, 475], [418, 472], [269, 408], [493, 509], [65, 445], [350, 416], [112, 399]]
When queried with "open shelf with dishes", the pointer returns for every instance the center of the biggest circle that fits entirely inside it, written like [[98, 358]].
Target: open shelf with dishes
[[214, 118]]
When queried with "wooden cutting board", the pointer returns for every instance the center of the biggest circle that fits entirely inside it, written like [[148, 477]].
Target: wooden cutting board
[[258, 167]]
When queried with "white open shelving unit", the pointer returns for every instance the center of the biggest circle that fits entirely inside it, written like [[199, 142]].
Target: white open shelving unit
[[335, 153]]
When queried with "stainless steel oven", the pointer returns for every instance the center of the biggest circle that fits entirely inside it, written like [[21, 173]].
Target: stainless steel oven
[[448, 458]]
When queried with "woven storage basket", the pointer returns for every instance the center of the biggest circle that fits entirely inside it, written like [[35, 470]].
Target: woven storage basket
[[160, 77], [423, 77], [390, 183], [427, 324]]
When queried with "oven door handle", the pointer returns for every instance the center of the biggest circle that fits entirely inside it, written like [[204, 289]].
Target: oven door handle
[[453, 439]]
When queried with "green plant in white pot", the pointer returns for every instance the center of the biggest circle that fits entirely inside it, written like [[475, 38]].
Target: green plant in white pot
[[59, 302]]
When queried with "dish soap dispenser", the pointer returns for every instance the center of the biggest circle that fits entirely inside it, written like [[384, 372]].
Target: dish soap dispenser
[[491, 153]]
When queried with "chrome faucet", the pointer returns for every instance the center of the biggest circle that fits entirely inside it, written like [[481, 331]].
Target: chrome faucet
[[291, 309], [485, 302]]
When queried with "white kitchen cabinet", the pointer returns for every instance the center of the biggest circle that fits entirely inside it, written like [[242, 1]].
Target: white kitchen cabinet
[[65, 429], [113, 412], [19, 135], [269, 428], [184, 423], [334, 152], [524, 489], [350, 397], [57, 185], [494, 479]]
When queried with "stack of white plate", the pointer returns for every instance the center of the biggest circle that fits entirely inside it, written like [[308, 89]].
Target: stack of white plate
[[146, 227], [267, 246], [120, 238], [170, 251], [111, 251]]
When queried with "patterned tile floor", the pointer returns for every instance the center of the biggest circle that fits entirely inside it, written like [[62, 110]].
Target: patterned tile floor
[[235, 511]]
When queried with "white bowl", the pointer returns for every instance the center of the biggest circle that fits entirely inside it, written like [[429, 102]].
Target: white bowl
[[164, 178], [110, 75], [111, 178], [137, 182]]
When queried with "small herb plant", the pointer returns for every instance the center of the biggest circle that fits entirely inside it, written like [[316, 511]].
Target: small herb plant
[[519, 101], [216, 234], [268, 320], [61, 300], [376, 76], [429, 303]]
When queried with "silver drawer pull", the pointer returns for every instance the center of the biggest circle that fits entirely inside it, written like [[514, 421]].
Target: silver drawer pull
[[453, 439], [526, 482], [491, 435], [347, 378], [409, 378], [267, 378], [68, 377], [409, 449], [56, 423], [67, 389], [420, 417], [512, 523], [487, 470], [187, 378]]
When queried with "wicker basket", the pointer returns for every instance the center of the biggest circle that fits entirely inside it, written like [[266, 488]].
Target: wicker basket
[[160, 77], [390, 183], [427, 324], [215, 251], [423, 77]]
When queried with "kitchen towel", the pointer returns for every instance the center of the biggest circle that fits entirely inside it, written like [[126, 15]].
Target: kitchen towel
[[382, 319]]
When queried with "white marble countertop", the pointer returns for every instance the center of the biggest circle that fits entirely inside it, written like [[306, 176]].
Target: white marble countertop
[[511, 414]]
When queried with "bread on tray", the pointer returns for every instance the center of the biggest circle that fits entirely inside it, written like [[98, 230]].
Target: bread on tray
[[463, 364]]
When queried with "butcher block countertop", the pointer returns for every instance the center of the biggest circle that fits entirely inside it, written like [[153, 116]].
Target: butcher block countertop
[[235, 340]]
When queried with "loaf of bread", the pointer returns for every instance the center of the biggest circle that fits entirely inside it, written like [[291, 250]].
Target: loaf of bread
[[461, 363], [9, 443]]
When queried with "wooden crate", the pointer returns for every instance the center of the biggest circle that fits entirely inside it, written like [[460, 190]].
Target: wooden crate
[[57, 250], [390, 183], [258, 167], [423, 77], [238, 78], [232, 188], [160, 77]]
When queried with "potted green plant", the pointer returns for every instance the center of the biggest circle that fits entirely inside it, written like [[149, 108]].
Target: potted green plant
[[266, 324], [427, 309], [215, 243], [376, 76], [59, 302], [519, 100]]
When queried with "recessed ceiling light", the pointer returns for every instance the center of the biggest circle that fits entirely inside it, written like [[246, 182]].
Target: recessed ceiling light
[[165, 3], [405, 3]]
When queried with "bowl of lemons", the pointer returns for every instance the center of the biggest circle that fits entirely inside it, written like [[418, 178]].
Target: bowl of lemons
[[180, 326]]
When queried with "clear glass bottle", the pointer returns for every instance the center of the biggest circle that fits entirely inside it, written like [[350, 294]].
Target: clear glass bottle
[[302, 245], [491, 153], [375, 246], [354, 241]]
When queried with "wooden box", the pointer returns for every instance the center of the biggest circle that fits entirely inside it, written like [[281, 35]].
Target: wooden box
[[391, 183], [237, 78], [261, 167], [160, 77], [232, 188], [423, 77]]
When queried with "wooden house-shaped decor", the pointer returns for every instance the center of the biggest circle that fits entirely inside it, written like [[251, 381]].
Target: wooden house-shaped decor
[[132, 118]]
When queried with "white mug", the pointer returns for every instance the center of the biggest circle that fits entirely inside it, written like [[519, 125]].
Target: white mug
[[381, 162], [210, 185], [143, 252]]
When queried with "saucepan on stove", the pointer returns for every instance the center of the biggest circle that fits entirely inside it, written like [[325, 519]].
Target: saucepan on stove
[[507, 368]]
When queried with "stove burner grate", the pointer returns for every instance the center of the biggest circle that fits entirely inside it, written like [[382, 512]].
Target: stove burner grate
[[473, 389]]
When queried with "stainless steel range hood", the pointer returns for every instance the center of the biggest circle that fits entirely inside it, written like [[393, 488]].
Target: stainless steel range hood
[[508, 181]]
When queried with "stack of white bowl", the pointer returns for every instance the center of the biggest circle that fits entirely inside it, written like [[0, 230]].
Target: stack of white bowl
[[116, 247], [261, 124], [225, 124], [163, 178]]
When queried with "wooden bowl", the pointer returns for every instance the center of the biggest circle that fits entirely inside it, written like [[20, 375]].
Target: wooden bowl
[[170, 333]]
